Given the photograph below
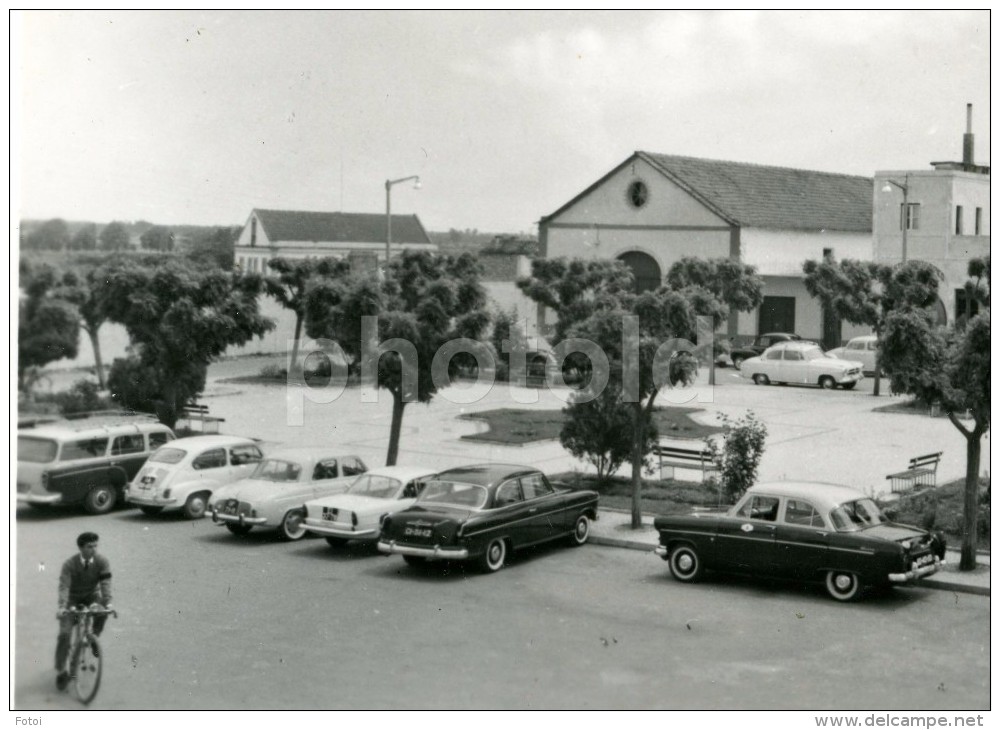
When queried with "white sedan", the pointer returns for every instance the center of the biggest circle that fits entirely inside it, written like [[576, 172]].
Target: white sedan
[[274, 495], [863, 349], [357, 514], [801, 363]]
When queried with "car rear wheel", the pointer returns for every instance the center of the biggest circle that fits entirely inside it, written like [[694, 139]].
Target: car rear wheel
[[685, 564], [843, 586], [827, 383], [194, 507], [100, 500], [581, 531], [737, 362], [238, 529], [293, 525], [150, 510], [414, 560], [761, 379], [494, 557]]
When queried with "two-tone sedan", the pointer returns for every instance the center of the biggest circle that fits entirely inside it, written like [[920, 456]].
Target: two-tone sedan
[[802, 531], [801, 363], [357, 513], [275, 494], [483, 512]]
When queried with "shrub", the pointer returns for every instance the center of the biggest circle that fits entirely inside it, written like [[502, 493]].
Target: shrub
[[274, 372], [83, 396], [740, 455]]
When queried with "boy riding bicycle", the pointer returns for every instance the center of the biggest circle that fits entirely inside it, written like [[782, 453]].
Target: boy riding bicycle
[[85, 579]]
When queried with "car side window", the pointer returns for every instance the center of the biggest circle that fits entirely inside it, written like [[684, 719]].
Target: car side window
[[772, 355], [239, 455], [211, 459], [793, 355], [802, 513], [872, 345], [855, 345], [535, 485], [352, 466], [129, 444], [326, 470], [157, 439], [760, 508], [412, 490], [83, 449], [509, 493]]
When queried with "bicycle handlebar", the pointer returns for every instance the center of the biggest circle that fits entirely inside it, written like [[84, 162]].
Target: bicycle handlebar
[[90, 611]]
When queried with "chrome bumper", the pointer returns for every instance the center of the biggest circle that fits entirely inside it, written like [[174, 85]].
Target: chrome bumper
[[221, 519], [435, 552], [921, 572], [328, 529], [149, 501], [38, 498], [661, 551]]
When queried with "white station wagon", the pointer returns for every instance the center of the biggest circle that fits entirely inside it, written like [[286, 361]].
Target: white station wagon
[[274, 495], [184, 474], [357, 513]]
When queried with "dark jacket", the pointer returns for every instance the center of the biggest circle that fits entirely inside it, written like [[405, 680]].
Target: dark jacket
[[85, 583]]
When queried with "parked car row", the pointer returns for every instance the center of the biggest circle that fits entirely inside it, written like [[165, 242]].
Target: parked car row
[[824, 533]]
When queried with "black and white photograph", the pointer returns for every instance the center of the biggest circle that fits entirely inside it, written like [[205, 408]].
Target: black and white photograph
[[473, 360]]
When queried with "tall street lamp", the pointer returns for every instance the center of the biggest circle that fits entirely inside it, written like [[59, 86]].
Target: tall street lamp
[[905, 217], [388, 210]]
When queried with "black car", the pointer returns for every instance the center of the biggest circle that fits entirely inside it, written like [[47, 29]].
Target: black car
[[802, 531], [482, 512], [760, 343]]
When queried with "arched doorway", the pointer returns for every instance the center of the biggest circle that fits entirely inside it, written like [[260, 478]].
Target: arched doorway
[[645, 270]]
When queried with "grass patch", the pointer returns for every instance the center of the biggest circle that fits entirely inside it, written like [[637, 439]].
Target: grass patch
[[659, 496], [521, 426], [942, 508]]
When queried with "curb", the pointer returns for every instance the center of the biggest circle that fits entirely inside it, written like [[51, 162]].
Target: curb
[[938, 585]]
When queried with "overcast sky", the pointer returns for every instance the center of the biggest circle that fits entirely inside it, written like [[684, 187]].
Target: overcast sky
[[198, 117]]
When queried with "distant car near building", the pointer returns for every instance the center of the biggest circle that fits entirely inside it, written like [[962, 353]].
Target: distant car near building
[[801, 531], [760, 343], [863, 349], [801, 363]]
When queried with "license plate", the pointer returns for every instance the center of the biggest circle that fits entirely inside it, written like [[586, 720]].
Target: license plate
[[417, 532], [330, 514], [147, 480]]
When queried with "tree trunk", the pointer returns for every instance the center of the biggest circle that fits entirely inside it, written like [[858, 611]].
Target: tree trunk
[[293, 370], [878, 378], [98, 363], [970, 523], [398, 404], [638, 438]]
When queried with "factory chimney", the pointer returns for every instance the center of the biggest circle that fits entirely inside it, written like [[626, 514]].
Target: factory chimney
[[968, 141]]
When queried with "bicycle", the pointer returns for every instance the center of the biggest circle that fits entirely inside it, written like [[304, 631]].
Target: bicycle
[[84, 663]]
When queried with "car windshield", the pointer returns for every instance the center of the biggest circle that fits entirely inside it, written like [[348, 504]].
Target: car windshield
[[36, 450], [277, 470], [856, 515], [457, 494], [168, 455], [373, 485]]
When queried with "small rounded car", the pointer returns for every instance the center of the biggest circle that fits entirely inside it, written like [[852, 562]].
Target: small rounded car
[[863, 349], [483, 512], [183, 474], [358, 513], [802, 363], [274, 495], [804, 531]]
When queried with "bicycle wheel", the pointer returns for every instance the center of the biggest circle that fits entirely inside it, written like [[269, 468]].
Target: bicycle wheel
[[86, 670]]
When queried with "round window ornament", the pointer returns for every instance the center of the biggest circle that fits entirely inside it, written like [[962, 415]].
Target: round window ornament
[[637, 193]]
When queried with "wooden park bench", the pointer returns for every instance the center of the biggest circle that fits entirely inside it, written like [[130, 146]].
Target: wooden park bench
[[922, 472], [198, 413], [679, 457]]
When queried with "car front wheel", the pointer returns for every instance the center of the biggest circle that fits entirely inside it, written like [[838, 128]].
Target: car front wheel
[[292, 526], [685, 564], [194, 507], [843, 586], [827, 383], [494, 557], [761, 379], [100, 500], [581, 531]]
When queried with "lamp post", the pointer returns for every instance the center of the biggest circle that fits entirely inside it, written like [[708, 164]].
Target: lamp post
[[388, 210], [905, 218]]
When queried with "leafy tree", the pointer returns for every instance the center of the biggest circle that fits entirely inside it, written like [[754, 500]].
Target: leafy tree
[[740, 455], [48, 327], [865, 292], [977, 288], [599, 431], [215, 248], [178, 319], [157, 238], [114, 237], [290, 284], [52, 235], [424, 299], [506, 329], [950, 367], [86, 289], [85, 239]]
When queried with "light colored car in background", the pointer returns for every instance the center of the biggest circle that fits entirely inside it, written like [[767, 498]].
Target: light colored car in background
[[863, 349], [274, 495], [184, 474], [357, 513], [802, 363]]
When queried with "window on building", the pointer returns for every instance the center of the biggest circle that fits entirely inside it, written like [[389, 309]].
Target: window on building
[[909, 216], [958, 220], [979, 221]]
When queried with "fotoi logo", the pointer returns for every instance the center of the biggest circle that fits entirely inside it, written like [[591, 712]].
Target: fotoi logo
[[324, 371]]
